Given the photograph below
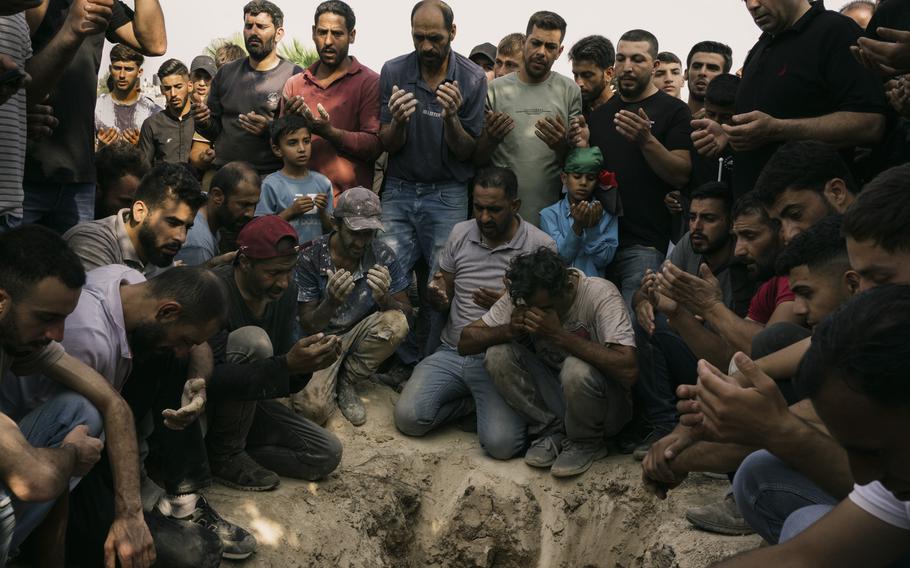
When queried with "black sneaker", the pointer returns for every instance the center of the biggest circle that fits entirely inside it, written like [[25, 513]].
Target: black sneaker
[[242, 472], [238, 544]]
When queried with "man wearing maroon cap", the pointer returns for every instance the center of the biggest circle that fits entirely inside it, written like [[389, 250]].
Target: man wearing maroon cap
[[253, 438], [350, 284]]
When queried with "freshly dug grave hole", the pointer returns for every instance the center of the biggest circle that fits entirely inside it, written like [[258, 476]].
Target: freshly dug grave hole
[[439, 502]]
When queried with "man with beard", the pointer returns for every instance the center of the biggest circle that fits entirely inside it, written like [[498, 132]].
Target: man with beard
[[232, 200], [252, 437], [668, 76], [245, 95], [668, 355], [120, 113], [40, 280], [168, 136], [431, 110], [592, 60], [447, 385], [340, 96], [529, 115], [706, 60], [803, 183], [644, 137], [149, 234]]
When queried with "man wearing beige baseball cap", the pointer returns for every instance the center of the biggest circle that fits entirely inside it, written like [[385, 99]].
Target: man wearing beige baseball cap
[[350, 284]]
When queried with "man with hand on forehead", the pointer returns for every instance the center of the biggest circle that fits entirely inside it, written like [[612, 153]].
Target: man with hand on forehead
[[350, 284]]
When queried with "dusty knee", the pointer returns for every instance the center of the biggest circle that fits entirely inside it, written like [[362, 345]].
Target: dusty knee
[[392, 326], [576, 376], [500, 361]]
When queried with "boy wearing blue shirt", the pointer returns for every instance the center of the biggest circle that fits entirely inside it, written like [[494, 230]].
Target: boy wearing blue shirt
[[301, 197], [586, 235]]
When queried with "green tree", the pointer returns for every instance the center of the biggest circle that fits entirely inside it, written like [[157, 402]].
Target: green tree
[[295, 52]]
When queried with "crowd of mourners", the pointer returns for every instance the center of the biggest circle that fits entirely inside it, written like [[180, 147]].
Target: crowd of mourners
[[569, 267]]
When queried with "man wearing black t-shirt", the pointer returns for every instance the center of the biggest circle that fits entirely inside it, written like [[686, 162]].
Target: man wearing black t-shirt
[[801, 82], [245, 94], [644, 136]]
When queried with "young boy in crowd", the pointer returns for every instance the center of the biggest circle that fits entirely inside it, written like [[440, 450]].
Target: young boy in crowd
[[301, 197], [585, 234]]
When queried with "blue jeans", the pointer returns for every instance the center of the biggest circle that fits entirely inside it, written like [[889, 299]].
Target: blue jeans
[[418, 217], [441, 389], [629, 266], [768, 491], [46, 427], [58, 206]]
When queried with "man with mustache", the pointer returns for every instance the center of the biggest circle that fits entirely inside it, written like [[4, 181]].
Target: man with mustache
[[530, 115], [120, 113], [706, 60], [644, 137], [168, 136], [245, 95], [340, 96], [233, 196], [149, 234]]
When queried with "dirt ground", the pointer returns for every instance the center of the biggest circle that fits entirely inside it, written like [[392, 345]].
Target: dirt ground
[[439, 502]]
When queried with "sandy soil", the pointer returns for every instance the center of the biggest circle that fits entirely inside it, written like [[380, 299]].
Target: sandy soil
[[438, 502]]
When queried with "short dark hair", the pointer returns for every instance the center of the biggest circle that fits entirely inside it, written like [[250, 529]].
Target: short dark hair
[[722, 90], [172, 67], [820, 246], [596, 49], [511, 44], [538, 270], [122, 52], [201, 294], [712, 47], [857, 4], [170, 181], [448, 16], [866, 343], [287, 124], [714, 190], [668, 57], [547, 21], [750, 204], [117, 160], [257, 7], [495, 176], [803, 165], [232, 174], [643, 35], [31, 253], [880, 212], [339, 8]]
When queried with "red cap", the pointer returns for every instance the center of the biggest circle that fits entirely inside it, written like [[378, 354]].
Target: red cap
[[259, 238]]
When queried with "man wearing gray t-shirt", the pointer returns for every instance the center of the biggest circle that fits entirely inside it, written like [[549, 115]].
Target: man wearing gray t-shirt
[[447, 385], [245, 94]]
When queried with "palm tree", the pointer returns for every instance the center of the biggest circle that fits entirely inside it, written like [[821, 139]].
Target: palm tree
[[296, 52], [212, 48]]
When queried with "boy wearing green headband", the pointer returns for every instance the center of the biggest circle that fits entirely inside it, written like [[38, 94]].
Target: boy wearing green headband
[[585, 234]]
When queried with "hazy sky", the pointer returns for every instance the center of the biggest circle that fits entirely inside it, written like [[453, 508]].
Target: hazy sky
[[383, 27]]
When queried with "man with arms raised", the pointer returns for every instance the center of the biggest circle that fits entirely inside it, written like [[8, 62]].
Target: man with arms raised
[[529, 115], [340, 96], [245, 95]]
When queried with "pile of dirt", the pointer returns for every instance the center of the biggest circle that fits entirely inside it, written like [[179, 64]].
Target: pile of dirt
[[439, 502]]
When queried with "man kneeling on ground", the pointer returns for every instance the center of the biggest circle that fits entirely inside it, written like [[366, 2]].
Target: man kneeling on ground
[[351, 285], [561, 351]]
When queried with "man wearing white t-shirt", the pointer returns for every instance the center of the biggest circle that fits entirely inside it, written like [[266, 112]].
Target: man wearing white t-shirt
[[855, 374]]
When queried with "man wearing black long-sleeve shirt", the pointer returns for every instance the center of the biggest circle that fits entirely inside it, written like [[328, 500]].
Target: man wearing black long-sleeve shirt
[[252, 437]]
